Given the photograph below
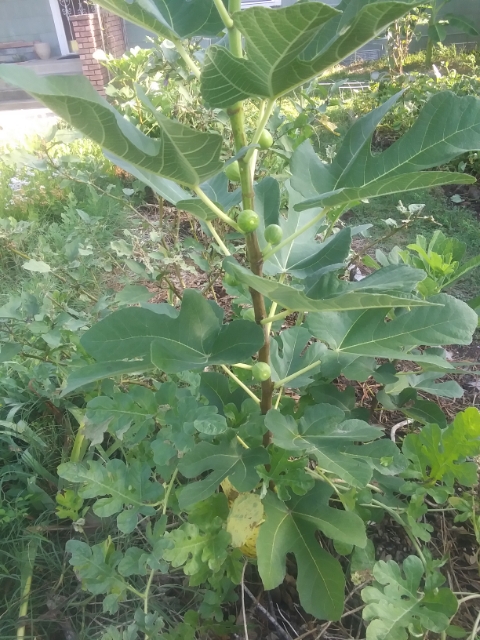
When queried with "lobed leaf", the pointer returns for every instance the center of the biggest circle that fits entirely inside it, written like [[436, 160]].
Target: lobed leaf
[[290, 353], [98, 371], [291, 528], [286, 473], [192, 339], [289, 46], [97, 568], [128, 416], [324, 433], [447, 126], [115, 486], [352, 296], [228, 459], [439, 454], [365, 333], [199, 553], [396, 605]]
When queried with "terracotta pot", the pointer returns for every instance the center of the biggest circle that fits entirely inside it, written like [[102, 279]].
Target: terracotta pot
[[42, 49]]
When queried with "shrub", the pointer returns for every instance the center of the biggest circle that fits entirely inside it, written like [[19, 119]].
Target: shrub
[[218, 467]]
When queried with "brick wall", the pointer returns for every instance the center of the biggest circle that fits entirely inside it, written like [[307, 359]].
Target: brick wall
[[114, 34], [92, 34], [88, 35]]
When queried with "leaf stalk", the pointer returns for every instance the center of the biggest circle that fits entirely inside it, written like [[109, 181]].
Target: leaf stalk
[[216, 210], [282, 383], [273, 308], [279, 316], [298, 233], [169, 491], [240, 384], [218, 239], [187, 58]]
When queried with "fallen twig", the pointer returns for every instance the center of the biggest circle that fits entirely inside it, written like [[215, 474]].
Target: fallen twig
[[271, 619]]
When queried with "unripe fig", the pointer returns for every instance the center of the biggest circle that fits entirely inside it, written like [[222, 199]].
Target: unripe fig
[[232, 171], [273, 234], [248, 221], [261, 371], [266, 140]]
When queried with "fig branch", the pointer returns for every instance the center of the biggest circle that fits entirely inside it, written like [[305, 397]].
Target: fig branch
[[254, 253]]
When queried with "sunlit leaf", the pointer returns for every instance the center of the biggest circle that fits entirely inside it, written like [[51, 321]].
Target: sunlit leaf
[[169, 18], [447, 126], [179, 153], [439, 454], [37, 266], [291, 45]]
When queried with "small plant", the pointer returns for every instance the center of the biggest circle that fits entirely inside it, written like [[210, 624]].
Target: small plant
[[440, 258], [400, 36], [237, 435], [400, 606]]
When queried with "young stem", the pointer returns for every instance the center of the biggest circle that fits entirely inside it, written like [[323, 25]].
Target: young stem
[[186, 58], [169, 491], [279, 397], [224, 15], [136, 592], [279, 316], [471, 596], [430, 43], [80, 444], [234, 35], [476, 627], [254, 254], [27, 585], [429, 53], [325, 478], [219, 241], [408, 531], [147, 594], [265, 114]]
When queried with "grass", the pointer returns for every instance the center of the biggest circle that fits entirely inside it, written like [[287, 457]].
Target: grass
[[71, 231], [62, 204], [453, 57], [64, 213]]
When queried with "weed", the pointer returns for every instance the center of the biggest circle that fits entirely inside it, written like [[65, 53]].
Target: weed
[[439, 213]]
